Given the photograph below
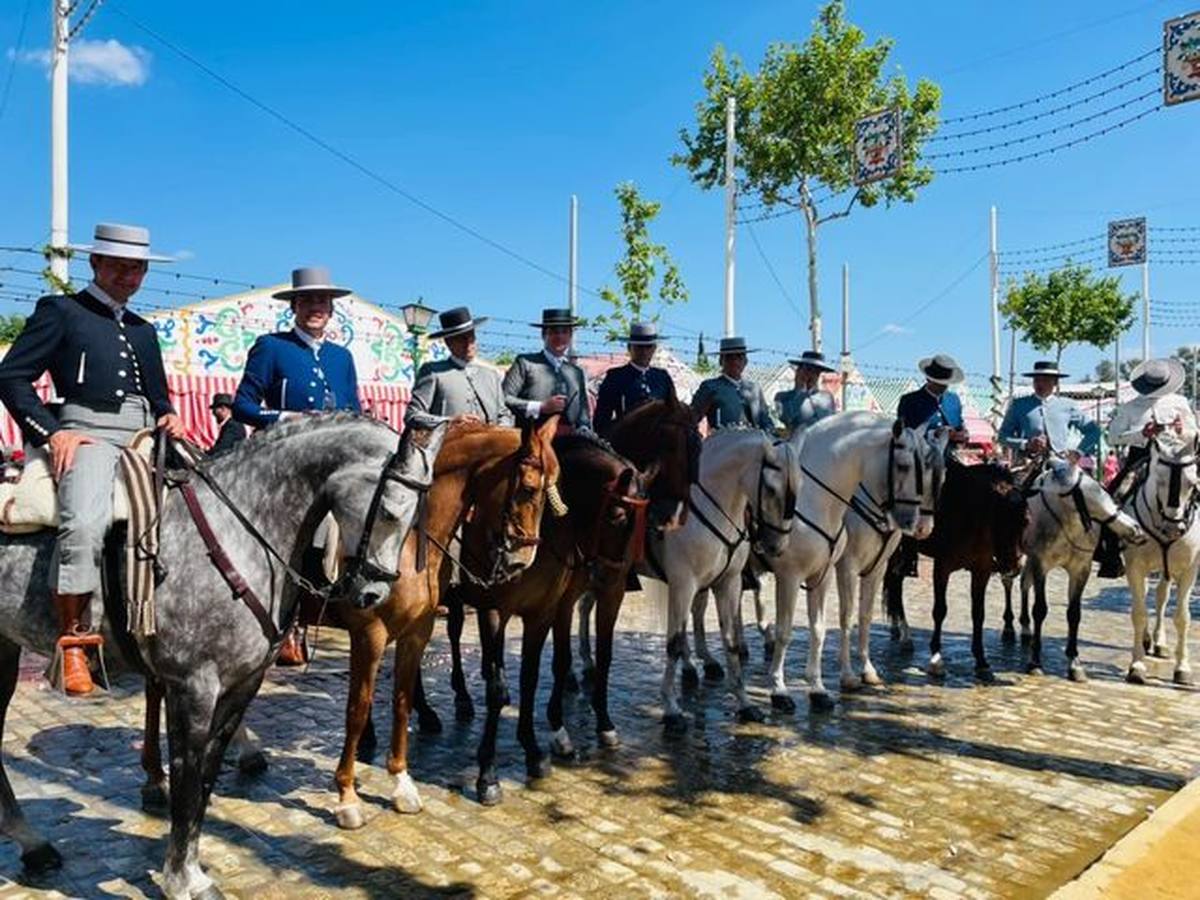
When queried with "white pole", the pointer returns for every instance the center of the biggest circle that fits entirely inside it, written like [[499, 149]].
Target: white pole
[[994, 309], [573, 261], [58, 144], [1117, 373], [730, 209], [845, 310], [1145, 310]]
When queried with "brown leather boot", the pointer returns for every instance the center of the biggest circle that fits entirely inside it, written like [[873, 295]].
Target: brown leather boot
[[291, 651], [73, 637]]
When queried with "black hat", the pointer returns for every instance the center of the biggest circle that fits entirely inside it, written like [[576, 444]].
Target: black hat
[[733, 345], [557, 318], [813, 359], [1045, 367], [221, 400], [456, 321], [940, 369], [643, 333]]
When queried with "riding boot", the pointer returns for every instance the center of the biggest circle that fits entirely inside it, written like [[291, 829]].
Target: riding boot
[[72, 638], [292, 651], [1108, 554]]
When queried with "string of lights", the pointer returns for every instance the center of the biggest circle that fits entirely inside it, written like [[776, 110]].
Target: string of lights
[[1027, 251]]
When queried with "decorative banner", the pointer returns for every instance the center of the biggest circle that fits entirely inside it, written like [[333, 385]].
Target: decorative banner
[[1181, 59], [878, 146], [1126, 242]]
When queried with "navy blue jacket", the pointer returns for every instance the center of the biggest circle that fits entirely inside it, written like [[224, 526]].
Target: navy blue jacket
[[284, 373], [626, 387], [919, 407], [231, 434], [94, 360]]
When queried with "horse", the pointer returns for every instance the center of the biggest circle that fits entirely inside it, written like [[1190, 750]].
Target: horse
[[1067, 509], [871, 538], [1165, 504], [218, 626], [740, 470], [980, 520], [592, 545]]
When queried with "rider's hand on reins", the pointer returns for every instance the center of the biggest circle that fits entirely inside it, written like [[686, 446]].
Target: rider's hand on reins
[[173, 426], [63, 445]]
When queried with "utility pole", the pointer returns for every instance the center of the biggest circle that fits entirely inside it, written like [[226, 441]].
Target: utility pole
[[1195, 366], [730, 208], [845, 329], [1145, 310], [60, 40], [994, 304], [573, 263]]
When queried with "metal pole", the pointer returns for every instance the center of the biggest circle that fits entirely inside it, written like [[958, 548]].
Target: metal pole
[[845, 330], [573, 262], [1117, 372], [1145, 310], [994, 309], [730, 209], [1195, 366], [1012, 364], [58, 145]]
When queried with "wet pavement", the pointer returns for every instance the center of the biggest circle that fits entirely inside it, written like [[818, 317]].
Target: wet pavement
[[913, 789]]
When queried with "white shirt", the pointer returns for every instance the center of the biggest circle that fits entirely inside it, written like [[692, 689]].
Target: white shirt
[[118, 309], [533, 408], [313, 344], [1125, 429]]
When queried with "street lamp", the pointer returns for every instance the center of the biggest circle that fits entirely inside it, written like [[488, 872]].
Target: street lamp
[[417, 317]]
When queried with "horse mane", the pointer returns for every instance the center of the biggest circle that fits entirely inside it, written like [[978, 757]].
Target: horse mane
[[583, 440], [282, 431]]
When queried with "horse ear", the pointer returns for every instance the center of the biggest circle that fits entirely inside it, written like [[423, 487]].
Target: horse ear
[[651, 472], [547, 429], [624, 480], [897, 429]]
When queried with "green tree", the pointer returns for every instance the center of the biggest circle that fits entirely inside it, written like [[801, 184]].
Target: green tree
[[1068, 306], [639, 269], [10, 327], [795, 128]]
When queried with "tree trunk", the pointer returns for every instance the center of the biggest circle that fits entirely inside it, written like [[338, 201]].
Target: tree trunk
[[814, 304], [1058, 356]]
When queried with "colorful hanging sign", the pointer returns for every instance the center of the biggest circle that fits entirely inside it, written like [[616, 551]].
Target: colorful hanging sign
[[878, 146], [1126, 242], [1181, 59]]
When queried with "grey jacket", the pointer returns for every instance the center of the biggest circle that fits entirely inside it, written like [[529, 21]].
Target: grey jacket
[[726, 403], [449, 387], [532, 377]]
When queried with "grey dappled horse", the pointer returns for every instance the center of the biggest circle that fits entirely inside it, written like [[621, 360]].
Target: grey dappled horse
[[209, 651]]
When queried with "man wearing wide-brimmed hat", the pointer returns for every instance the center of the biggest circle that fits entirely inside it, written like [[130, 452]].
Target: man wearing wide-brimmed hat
[[458, 387], [230, 432], [934, 404], [629, 386], [1041, 422], [546, 382], [730, 399], [807, 401], [106, 365]]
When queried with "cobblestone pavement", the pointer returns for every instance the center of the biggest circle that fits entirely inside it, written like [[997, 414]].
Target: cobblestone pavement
[[914, 789]]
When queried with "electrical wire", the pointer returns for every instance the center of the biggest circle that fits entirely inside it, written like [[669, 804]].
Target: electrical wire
[[13, 58]]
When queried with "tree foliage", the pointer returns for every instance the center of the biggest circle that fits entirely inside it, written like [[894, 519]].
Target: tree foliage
[[1068, 306], [10, 327], [795, 126], [646, 273]]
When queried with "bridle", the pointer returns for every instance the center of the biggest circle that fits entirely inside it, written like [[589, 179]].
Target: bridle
[[1174, 491], [789, 493], [635, 508], [1075, 492]]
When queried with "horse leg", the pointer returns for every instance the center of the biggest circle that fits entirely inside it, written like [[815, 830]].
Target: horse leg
[[712, 669], [366, 650], [728, 593], [154, 791], [606, 623], [893, 588], [428, 721], [941, 579], [680, 593], [786, 588], [1161, 592], [818, 697], [491, 639], [560, 741], [1039, 617], [533, 639], [251, 761], [586, 604], [37, 855], [979, 582], [409, 650], [1135, 574], [464, 707], [1183, 596], [868, 587], [846, 585], [1009, 634], [739, 625], [1075, 586], [689, 677], [1026, 584], [765, 629]]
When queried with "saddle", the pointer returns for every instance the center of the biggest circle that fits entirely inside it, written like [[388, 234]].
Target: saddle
[[29, 502]]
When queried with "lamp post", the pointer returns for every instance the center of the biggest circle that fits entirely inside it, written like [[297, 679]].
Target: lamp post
[[417, 317]]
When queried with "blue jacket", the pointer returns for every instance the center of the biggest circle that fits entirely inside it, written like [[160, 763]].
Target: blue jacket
[[283, 373], [1052, 418], [625, 388], [919, 407]]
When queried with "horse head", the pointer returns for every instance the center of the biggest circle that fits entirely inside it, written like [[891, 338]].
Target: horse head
[[1008, 516], [935, 442], [1081, 495], [1172, 480], [662, 433], [906, 479], [775, 497]]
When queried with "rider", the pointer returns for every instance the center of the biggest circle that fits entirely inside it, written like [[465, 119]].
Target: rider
[[232, 432], [807, 402], [729, 399], [1037, 423], [106, 364], [629, 386], [298, 371], [546, 382], [1158, 406], [458, 387]]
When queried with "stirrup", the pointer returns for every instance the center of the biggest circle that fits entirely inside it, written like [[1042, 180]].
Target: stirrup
[[68, 641]]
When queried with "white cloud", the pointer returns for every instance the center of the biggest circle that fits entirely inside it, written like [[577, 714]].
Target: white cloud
[[184, 255], [99, 62], [893, 328]]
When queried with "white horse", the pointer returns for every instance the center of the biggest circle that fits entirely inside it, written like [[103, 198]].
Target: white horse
[[1067, 510], [1164, 504], [871, 538], [740, 470]]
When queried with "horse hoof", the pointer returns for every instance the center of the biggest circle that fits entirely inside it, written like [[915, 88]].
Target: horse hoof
[[894, 632], [560, 744], [429, 722], [1146, 643], [1008, 636], [1135, 676], [41, 859], [936, 667], [751, 714], [1159, 652], [490, 792], [713, 671], [675, 725], [769, 652], [984, 674], [1077, 673], [505, 697], [212, 892], [820, 702], [253, 764], [871, 677], [349, 818], [464, 709], [571, 682], [690, 679], [538, 767], [1034, 669], [1184, 677], [155, 799], [783, 703], [405, 796], [851, 683], [907, 646], [609, 739]]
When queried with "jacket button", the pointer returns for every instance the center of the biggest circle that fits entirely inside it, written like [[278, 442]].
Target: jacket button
[[120, 393], [121, 372], [124, 355], [312, 399], [312, 384]]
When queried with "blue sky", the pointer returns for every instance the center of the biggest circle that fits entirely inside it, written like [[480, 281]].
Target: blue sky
[[495, 113]]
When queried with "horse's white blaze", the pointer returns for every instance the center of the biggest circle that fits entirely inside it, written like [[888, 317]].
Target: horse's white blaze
[[405, 796]]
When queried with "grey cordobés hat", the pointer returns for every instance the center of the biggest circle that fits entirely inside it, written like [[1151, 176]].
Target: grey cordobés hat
[[311, 280], [122, 242]]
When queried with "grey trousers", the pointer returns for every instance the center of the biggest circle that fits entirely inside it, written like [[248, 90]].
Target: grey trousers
[[85, 491]]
